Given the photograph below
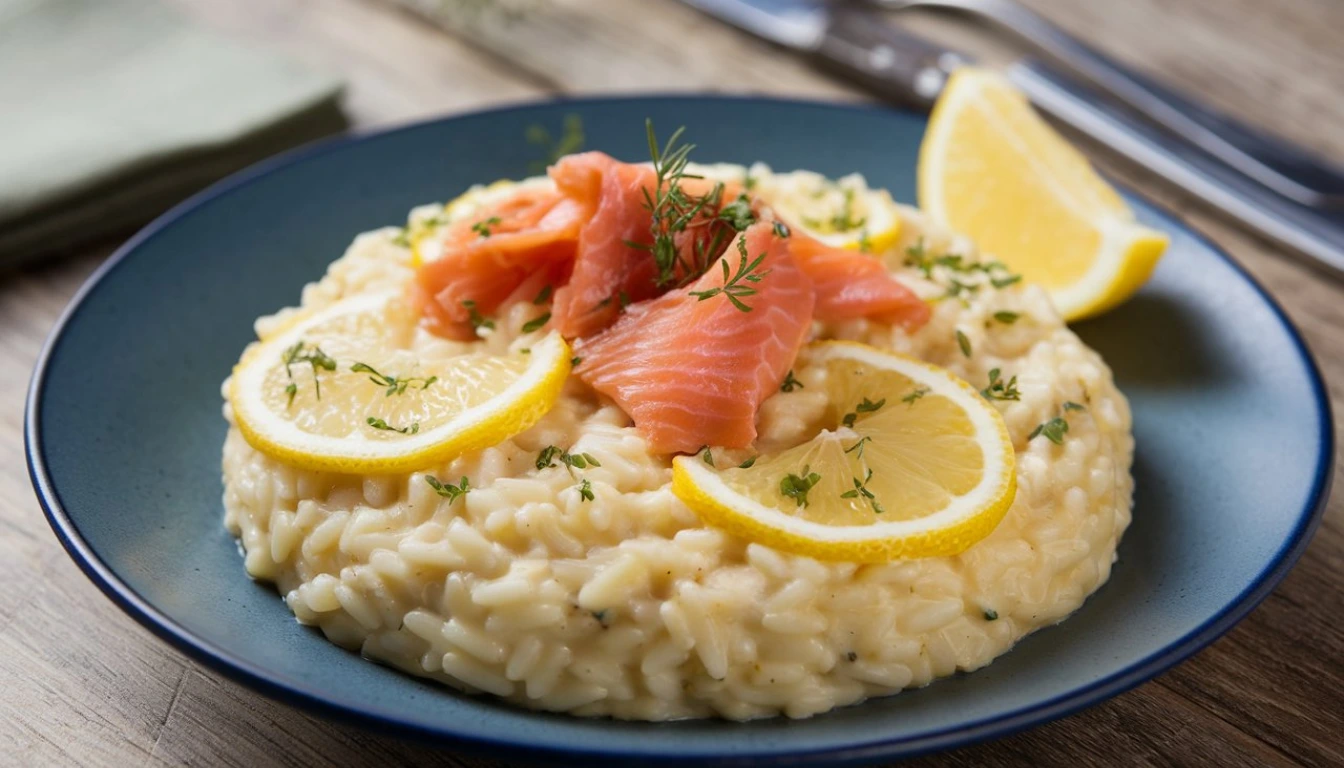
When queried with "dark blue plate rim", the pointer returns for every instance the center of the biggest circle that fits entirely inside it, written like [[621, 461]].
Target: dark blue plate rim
[[298, 694]]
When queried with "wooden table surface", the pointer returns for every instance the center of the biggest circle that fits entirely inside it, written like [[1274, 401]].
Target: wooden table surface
[[84, 684]]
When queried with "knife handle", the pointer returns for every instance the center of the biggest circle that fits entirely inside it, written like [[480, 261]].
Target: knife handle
[[902, 67]]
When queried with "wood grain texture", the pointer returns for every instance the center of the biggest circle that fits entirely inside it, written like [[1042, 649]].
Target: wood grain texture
[[85, 685]]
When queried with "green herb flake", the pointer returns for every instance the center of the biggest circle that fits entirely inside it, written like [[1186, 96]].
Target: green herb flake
[[1052, 430], [298, 353], [536, 323], [1004, 282], [483, 226], [796, 487], [377, 423], [790, 383], [964, 343], [857, 448], [738, 214], [782, 229], [544, 296], [867, 406], [914, 395], [571, 140], [449, 492], [999, 389], [991, 614], [586, 490], [394, 385], [475, 318], [747, 464], [1069, 405], [574, 361], [707, 456], [861, 490], [1006, 317]]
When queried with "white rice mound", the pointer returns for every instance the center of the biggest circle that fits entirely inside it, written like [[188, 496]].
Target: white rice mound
[[627, 605]]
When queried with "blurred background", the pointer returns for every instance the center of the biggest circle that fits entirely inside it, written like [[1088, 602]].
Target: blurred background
[[115, 110]]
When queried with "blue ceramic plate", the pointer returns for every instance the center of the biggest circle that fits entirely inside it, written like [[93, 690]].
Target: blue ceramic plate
[[124, 434]]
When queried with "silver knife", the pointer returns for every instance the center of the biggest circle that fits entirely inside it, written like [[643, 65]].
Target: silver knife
[[911, 70]]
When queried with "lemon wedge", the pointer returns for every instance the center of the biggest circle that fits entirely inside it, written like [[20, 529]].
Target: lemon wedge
[[842, 214], [991, 168], [341, 390], [913, 462]]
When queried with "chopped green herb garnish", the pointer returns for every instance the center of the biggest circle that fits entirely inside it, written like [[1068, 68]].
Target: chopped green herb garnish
[[959, 290], [782, 229], [861, 489], [867, 406], [482, 227], [403, 238], [734, 287], [916, 256], [586, 490], [1069, 405], [300, 352], [964, 343], [747, 464], [544, 295], [796, 486], [706, 456], [449, 492], [396, 385], [999, 389], [1006, 317], [475, 318], [1004, 282], [1052, 430], [738, 214], [672, 209], [914, 395], [377, 423], [865, 245], [790, 383], [991, 614], [601, 615], [575, 360], [623, 298], [537, 322], [857, 448], [550, 454]]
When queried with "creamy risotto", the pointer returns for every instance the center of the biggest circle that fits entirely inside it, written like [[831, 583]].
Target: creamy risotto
[[627, 605]]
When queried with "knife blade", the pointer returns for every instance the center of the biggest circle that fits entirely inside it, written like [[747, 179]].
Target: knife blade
[[912, 70]]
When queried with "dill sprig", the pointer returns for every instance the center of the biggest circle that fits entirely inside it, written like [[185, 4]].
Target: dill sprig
[[396, 385], [377, 423], [300, 352], [861, 490], [999, 389], [571, 140], [734, 287], [796, 487], [738, 214], [449, 492]]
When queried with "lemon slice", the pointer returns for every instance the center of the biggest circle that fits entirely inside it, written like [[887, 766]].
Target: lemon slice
[[913, 462], [842, 214], [341, 390], [991, 168]]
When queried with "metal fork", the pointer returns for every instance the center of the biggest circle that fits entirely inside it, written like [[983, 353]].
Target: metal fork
[[1272, 162]]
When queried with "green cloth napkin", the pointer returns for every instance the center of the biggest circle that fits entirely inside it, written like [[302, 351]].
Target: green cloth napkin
[[111, 111]]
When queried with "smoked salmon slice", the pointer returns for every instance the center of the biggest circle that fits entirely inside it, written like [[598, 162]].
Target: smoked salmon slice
[[487, 256], [692, 371], [609, 272], [852, 284]]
